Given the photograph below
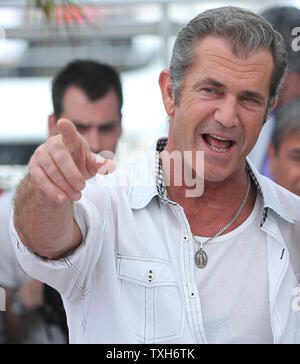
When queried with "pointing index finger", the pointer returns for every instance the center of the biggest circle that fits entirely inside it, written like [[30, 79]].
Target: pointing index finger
[[68, 132]]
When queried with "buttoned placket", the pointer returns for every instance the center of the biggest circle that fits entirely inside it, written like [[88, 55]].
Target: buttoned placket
[[192, 298], [186, 270]]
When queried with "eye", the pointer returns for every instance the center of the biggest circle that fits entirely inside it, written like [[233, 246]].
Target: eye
[[250, 100], [294, 156], [209, 90], [106, 128], [81, 128]]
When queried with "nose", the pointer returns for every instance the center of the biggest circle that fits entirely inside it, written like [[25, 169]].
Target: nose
[[226, 113]]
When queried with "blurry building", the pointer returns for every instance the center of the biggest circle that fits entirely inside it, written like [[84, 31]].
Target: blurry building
[[134, 36]]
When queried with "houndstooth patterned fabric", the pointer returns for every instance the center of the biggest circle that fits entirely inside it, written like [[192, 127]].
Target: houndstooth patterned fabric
[[160, 181], [162, 190], [251, 174]]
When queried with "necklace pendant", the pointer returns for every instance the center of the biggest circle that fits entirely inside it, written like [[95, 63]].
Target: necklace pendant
[[201, 259]]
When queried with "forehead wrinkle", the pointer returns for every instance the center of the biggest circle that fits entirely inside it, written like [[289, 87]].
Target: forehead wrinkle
[[246, 69]]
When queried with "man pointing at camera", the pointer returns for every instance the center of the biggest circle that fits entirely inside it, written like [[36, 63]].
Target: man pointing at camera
[[147, 262]]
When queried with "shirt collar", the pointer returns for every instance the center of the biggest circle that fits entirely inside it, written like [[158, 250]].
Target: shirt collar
[[144, 177], [270, 199], [148, 181]]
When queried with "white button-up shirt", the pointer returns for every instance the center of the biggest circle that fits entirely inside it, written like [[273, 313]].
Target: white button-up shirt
[[132, 279]]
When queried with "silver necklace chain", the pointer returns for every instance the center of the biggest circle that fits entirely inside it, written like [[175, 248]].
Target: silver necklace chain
[[201, 258]]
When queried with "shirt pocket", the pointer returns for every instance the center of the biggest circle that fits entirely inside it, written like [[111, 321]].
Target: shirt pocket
[[150, 299]]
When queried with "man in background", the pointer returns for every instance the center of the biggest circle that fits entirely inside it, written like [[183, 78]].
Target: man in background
[[89, 94], [284, 149], [284, 19]]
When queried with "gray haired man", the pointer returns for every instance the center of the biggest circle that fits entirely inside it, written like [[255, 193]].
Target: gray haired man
[[148, 262], [284, 149]]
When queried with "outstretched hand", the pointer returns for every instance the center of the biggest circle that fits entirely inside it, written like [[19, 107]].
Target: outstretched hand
[[61, 165]]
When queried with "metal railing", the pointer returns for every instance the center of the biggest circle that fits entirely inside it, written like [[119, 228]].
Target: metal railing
[[164, 27]]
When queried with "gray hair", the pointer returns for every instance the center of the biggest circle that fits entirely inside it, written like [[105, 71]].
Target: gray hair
[[245, 31], [287, 121]]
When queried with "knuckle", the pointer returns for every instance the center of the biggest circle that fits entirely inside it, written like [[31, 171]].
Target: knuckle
[[37, 177], [60, 156], [39, 151], [31, 164], [54, 143], [50, 169]]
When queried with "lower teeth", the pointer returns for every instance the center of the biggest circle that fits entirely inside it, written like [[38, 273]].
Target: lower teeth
[[217, 149]]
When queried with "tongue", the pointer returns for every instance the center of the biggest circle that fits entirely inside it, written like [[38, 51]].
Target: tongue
[[220, 144]]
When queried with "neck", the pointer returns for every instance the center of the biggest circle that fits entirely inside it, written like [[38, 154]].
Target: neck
[[218, 203]]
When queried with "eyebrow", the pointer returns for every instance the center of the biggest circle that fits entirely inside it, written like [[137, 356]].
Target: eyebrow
[[209, 81], [212, 82], [102, 126]]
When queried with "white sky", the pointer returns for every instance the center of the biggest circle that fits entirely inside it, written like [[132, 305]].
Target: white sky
[[26, 104]]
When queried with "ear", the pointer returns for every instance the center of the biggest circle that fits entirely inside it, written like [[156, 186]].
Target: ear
[[52, 129], [165, 83]]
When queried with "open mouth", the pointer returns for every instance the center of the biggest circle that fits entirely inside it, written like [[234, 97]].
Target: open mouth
[[217, 143]]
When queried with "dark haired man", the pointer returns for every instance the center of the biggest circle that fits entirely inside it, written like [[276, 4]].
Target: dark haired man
[[90, 94]]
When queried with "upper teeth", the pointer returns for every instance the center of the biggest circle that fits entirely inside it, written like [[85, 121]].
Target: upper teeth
[[218, 137]]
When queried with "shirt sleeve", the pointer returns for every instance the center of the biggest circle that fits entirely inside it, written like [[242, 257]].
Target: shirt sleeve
[[11, 274], [72, 275]]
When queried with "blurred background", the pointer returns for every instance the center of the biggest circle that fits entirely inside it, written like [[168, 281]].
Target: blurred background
[[38, 37]]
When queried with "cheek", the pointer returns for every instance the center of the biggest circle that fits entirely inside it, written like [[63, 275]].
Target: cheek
[[293, 169], [111, 140], [252, 128], [191, 114], [283, 171]]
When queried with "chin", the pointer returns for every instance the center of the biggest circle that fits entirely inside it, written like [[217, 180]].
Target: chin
[[214, 171], [215, 177]]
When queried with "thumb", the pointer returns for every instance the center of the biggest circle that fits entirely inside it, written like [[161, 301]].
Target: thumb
[[97, 164]]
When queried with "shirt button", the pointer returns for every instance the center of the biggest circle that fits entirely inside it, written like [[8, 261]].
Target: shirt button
[[150, 276], [192, 295], [185, 238]]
